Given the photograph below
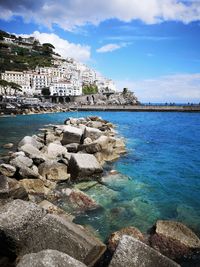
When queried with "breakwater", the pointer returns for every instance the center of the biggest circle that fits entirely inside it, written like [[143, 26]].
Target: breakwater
[[135, 108]]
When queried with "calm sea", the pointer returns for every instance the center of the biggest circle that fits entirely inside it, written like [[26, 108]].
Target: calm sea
[[160, 174]]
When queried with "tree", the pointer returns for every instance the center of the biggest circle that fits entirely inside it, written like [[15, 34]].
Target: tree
[[47, 49], [16, 87], [90, 89], [46, 91], [8, 86], [125, 91], [4, 85]]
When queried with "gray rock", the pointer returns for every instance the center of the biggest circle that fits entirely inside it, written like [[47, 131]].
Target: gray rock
[[4, 187], [133, 253], [92, 133], [26, 172], [32, 152], [84, 165], [49, 258], [56, 233], [21, 161], [16, 190], [7, 170], [71, 135], [31, 141], [17, 219], [55, 150], [73, 147], [54, 171]]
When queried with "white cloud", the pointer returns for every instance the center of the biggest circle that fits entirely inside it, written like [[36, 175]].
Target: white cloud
[[63, 47], [171, 88], [69, 14], [108, 48]]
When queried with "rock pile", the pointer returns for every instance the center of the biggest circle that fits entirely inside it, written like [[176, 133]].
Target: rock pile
[[58, 164]]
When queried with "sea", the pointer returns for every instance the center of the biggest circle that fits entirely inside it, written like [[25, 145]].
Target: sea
[[158, 177]]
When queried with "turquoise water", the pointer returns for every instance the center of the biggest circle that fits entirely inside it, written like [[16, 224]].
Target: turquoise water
[[160, 173]]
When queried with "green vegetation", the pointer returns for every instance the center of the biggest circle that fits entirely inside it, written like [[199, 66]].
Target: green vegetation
[[90, 89], [20, 56], [46, 91], [8, 86]]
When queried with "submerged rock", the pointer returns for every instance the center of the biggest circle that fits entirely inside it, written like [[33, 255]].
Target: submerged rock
[[49, 258], [8, 146], [134, 253], [78, 201]]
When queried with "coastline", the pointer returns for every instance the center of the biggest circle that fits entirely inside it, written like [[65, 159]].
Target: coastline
[[121, 108]]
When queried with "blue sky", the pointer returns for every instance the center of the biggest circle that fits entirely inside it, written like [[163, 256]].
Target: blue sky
[[150, 46]]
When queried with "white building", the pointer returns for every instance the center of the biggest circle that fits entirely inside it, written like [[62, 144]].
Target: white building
[[65, 89]]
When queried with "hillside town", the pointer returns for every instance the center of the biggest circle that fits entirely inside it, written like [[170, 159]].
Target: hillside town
[[66, 77]]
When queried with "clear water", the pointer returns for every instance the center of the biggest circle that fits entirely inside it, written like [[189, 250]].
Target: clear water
[[160, 173]]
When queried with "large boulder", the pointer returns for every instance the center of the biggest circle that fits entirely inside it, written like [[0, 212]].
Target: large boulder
[[49, 258], [54, 171], [31, 141], [17, 218], [115, 237], [26, 172], [175, 240], [21, 161], [16, 190], [92, 133], [53, 232], [71, 135], [55, 150], [7, 170], [34, 186], [84, 165], [32, 152], [134, 253]]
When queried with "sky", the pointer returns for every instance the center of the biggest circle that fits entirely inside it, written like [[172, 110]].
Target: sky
[[150, 46]]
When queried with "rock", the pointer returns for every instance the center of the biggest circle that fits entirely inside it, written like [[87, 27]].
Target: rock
[[32, 152], [83, 165], [92, 133], [71, 135], [21, 161], [113, 172], [30, 141], [85, 185], [8, 146], [73, 147], [4, 187], [175, 240], [54, 171], [90, 148], [26, 172], [19, 153], [16, 190], [53, 232], [17, 219], [119, 147], [114, 238], [95, 124], [87, 141], [134, 253], [55, 150], [78, 201], [53, 209], [7, 170], [50, 138], [26, 228], [34, 186], [49, 258]]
